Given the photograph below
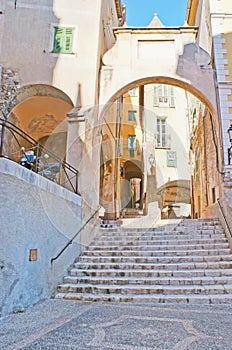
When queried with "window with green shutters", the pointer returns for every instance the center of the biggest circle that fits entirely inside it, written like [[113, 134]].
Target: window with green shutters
[[131, 145], [171, 159], [63, 39], [132, 116]]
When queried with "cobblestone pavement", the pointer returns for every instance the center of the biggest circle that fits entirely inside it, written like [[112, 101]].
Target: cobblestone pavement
[[69, 325]]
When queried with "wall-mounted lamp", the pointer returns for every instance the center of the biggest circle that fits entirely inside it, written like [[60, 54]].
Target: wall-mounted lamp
[[230, 138]]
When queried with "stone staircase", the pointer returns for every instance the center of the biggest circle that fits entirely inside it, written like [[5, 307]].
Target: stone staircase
[[131, 213], [190, 263]]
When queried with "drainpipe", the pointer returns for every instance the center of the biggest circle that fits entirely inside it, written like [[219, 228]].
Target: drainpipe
[[2, 137], [117, 152]]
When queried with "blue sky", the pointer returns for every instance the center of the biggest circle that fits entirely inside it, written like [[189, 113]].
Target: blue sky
[[141, 12]]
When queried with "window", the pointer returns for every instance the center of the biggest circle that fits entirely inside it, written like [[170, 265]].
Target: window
[[214, 195], [162, 136], [171, 159], [133, 92], [132, 142], [163, 96], [197, 164], [132, 116], [194, 117], [63, 39], [132, 145]]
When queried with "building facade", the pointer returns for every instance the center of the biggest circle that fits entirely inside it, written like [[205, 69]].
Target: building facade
[[50, 61], [50, 67], [212, 163]]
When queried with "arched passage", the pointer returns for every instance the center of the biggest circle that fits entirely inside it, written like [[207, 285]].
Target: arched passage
[[132, 185], [210, 146], [39, 111]]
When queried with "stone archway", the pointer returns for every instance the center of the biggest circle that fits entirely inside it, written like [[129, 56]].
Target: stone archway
[[213, 132], [143, 56], [39, 111], [172, 195]]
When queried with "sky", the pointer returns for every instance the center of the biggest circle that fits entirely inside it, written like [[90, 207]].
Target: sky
[[172, 13]]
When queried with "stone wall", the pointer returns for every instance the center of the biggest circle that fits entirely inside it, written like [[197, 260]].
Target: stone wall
[[37, 217], [8, 89], [207, 179]]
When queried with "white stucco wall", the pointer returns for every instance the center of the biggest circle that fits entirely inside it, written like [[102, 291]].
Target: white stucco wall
[[35, 214], [177, 129]]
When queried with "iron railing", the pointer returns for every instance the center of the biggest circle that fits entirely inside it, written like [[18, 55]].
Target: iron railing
[[224, 217], [15, 145], [76, 234]]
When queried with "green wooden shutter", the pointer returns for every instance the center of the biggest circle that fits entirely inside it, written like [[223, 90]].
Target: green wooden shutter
[[57, 43], [68, 40], [171, 159], [132, 116], [63, 39], [131, 142]]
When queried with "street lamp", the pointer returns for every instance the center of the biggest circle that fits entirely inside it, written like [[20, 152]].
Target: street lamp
[[230, 138]]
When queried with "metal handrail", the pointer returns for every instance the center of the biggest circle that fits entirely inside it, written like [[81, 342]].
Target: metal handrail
[[76, 234], [224, 217], [16, 131]]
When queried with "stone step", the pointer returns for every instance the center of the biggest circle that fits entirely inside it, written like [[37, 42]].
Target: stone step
[[155, 259], [151, 232], [174, 226], [179, 230], [190, 273], [190, 262], [163, 246], [145, 238], [155, 266], [171, 227], [151, 281], [144, 289], [156, 243], [151, 298], [156, 253], [153, 241], [163, 230], [199, 222]]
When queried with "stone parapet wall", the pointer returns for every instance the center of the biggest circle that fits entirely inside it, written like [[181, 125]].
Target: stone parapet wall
[[38, 218]]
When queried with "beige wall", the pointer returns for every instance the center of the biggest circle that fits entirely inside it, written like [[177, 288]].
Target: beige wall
[[221, 24], [214, 20], [26, 50], [26, 45]]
